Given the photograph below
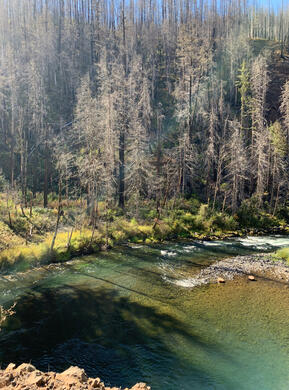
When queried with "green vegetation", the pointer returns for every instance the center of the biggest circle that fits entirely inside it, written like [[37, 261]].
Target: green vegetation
[[282, 254], [8, 238], [67, 245], [26, 234]]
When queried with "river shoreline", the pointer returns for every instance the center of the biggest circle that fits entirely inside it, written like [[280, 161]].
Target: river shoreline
[[27, 377], [259, 265], [31, 256]]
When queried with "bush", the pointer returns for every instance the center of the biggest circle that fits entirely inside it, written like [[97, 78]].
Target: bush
[[248, 213], [7, 237], [119, 235], [43, 221], [163, 231], [3, 182], [283, 213], [146, 231], [184, 224], [224, 222], [282, 254], [202, 217], [251, 216], [20, 225], [179, 228], [194, 205], [129, 228]]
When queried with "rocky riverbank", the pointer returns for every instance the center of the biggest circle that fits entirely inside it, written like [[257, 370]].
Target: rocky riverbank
[[27, 377], [260, 265]]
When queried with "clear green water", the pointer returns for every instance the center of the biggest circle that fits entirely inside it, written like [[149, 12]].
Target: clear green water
[[124, 316]]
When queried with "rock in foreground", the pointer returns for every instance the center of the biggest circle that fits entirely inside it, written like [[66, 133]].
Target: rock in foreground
[[27, 377]]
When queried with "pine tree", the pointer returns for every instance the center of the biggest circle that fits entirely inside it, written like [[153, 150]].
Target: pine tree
[[260, 135]]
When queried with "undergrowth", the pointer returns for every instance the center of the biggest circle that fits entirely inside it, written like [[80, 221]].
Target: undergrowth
[[181, 219]]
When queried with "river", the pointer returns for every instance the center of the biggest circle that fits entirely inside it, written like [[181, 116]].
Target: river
[[129, 315]]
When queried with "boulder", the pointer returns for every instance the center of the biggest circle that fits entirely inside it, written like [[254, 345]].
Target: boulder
[[221, 280], [5, 380], [252, 278], [73, 374], [96, 383], [24, 368], [35, 378], [27, 377], [141, 386], [10, 367]]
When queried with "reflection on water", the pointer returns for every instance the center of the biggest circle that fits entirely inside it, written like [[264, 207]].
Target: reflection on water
[[116, 316]]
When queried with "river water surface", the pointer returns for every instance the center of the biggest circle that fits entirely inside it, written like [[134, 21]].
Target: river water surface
[[128, 315]]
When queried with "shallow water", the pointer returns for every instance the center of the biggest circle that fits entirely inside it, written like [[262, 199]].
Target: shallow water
[[124, 317]]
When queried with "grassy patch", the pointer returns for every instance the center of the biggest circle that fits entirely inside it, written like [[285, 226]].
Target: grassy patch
[[282, 254], [8, 238], [23, 258]]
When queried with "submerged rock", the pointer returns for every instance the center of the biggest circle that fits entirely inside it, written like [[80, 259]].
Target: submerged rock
[[27, 377]]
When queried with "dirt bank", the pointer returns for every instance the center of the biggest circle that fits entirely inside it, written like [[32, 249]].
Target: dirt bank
[[27, 377]]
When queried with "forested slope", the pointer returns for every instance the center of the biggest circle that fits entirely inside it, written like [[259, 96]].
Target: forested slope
[[133, 105]]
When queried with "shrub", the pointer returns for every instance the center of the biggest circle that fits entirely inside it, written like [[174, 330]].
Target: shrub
[[119, 235], [163, 231], [20, 225], [3, 182], [283, 213], [201, 220], [224, 222], [250, 215], [282, 254], [179, 228], [146, 231], [8, 238], [129, 228]]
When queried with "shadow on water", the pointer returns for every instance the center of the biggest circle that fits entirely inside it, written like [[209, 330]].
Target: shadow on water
[[114, 315], [98, 329]]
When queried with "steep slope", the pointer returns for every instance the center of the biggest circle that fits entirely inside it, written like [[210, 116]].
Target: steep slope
[[279, 74]]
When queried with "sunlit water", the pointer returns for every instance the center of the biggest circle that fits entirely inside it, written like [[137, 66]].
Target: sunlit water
[[124, 317]]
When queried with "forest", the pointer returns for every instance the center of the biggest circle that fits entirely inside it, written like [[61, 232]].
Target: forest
[[145, 111]]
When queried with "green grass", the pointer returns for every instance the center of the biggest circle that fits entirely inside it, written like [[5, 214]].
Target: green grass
[[181, 220], [23, 257], [282, 254], [180, 225]]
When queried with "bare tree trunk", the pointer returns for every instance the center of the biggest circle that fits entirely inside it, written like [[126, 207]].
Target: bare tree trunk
[[106, 225], [224, 202], [121, 168], [277, 199], [69, 238], [122, 130], [59, 213], [45, 189]]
